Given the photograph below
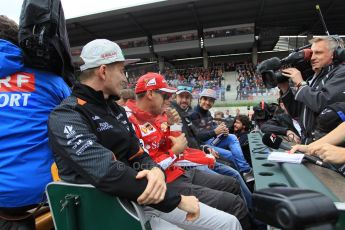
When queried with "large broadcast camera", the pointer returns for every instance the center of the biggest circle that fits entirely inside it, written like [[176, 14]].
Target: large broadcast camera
[[270, 68], [299, 59]]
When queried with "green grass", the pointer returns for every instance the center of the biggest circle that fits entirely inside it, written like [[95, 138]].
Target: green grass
[[240, 103], [235, 104]]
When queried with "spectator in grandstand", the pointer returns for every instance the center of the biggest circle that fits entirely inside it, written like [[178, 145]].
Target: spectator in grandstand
[[27, 97], [239, 92], [151, 109], [322, 89], [218, 135], [93, 142]]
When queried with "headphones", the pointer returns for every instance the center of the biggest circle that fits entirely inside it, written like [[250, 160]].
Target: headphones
[[339, 52]]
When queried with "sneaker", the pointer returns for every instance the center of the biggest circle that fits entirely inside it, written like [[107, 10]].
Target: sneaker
[[248, 176]]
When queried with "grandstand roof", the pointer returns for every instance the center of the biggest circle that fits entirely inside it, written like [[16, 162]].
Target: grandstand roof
[[271, 18]]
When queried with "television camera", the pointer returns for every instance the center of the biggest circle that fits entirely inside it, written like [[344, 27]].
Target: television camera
[[270, 68]]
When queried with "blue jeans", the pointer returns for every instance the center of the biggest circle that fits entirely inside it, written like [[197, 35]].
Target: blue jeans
[[235, 154], [228, 171]]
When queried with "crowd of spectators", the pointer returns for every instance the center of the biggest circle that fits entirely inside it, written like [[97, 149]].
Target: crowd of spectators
[[249, 85], [250, 82], [198, 77], [195, 76], [134, 73]]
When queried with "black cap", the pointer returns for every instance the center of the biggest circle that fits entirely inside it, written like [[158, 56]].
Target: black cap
[[330, 117]]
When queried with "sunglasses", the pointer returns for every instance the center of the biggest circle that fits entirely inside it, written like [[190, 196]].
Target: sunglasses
[[187, 88], [165, 95]]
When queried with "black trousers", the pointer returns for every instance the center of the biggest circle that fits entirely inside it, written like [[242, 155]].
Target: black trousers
[[218, 191], [25, 224]]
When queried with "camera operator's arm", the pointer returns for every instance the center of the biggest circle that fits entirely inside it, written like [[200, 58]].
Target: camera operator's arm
[[331, 91]]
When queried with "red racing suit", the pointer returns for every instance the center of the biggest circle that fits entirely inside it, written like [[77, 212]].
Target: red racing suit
[[153, 132]]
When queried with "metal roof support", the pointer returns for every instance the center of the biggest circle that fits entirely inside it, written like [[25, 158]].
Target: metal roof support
[[141, 27], [191, 6], [258, 15], [325, 12], [200, 29], [76, 24]]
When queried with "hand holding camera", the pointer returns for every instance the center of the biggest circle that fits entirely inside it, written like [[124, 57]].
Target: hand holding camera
[[294, 74]]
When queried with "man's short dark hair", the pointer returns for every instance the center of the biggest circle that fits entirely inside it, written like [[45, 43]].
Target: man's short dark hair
[[244, 120], [8, 29]]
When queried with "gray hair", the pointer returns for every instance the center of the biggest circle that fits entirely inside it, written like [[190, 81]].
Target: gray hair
[[333, 42]]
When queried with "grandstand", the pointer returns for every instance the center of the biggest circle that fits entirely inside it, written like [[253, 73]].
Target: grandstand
[[230, 78]]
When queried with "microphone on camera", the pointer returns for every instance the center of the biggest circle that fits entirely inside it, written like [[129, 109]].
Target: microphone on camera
[[269, 64], [275, 142]]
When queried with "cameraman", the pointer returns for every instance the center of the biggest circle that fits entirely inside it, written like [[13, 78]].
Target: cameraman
[[326, 86]]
